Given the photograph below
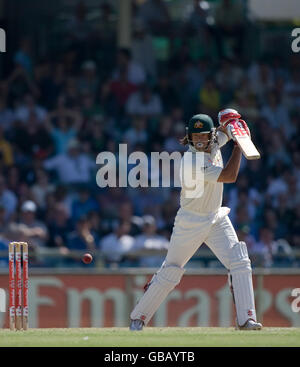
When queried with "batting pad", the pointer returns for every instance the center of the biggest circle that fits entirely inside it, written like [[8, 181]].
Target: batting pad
[[166, 279], [240, 270]]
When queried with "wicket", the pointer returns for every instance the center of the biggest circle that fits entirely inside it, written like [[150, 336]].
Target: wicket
[[18, 305]]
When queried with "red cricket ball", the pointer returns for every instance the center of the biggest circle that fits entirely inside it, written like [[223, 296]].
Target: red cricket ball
[[87, 258]]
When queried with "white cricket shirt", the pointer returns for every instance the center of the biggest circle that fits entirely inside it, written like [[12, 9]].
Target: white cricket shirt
[[211, 199]]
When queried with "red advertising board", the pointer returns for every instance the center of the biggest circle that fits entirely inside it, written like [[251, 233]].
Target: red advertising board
[[106, 300]]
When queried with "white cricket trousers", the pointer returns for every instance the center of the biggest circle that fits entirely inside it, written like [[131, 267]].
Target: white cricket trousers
[[191, 230]]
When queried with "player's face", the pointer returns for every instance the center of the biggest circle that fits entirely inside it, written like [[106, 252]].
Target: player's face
[[201, 141]]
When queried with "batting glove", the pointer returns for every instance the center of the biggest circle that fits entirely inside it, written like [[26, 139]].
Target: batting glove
[[245, 126], [241, 123], [227, 115]]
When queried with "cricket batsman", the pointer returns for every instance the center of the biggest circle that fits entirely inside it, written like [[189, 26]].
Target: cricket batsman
[[203, 219]]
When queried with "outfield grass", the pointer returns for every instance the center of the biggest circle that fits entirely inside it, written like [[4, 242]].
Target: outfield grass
[[151, 337]]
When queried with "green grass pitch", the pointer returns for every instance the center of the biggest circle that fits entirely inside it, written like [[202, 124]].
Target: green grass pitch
[[151, 337]]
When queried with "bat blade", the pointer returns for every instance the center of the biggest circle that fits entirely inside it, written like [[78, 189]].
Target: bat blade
[[248, 148], [244, 141]]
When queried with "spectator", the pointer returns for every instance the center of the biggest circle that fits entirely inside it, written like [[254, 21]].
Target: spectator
[[42, 188], [33, 138], [83, 204], [117, 245], [28, 109], [82, 238], [8, 199], [135, 73], [97, 224], [125, 214], [59, 228], [149, 240], [72, 167], [88, 81], [262, 252], [121, 88], [66, 128], [34, 230], [144, 102], [267, 251], [109, 200]]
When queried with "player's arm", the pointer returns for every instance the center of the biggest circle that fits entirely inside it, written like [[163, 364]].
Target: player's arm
[[222, 136], [223, 130], [230, 172]]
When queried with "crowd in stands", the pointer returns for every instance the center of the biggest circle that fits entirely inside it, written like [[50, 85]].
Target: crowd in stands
[[59, 112]]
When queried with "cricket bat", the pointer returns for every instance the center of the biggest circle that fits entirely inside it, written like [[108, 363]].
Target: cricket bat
[[243, 140]]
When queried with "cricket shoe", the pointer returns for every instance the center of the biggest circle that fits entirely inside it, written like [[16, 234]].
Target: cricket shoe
[[136, 325], [249, 325]]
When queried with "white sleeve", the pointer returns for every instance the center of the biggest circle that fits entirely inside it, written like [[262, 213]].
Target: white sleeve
[[222, 138]]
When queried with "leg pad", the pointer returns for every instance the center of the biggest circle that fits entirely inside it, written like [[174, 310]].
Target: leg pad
[[162, 283]]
